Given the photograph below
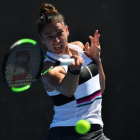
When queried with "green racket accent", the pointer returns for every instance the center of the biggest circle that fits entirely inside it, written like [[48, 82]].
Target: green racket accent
[[14, 89], [26, 40], [46, 71]]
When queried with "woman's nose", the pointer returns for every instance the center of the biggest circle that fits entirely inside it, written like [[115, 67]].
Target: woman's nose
[[56, 39]]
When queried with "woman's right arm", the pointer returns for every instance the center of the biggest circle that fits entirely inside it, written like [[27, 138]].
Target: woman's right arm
[[65, 83]]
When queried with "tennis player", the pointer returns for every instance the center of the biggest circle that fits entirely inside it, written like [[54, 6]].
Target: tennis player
[[76, 90]]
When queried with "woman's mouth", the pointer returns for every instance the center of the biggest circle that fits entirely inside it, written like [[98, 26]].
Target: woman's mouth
[[58, 47]]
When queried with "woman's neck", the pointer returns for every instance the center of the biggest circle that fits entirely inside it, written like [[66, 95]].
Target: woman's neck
[[67, 51]]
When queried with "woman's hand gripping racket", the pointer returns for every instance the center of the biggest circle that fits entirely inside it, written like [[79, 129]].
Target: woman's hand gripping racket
[[23, 64]]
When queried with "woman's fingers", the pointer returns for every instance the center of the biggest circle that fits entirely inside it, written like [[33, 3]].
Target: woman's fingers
[[79, 61], [86, 46], [97, 43], [77, 64], [96, 36], [92, 39]]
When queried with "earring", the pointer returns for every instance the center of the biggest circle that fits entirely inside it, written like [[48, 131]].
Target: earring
[[68, 34]]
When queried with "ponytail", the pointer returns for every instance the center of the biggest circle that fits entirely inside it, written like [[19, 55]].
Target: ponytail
[[48, 14]]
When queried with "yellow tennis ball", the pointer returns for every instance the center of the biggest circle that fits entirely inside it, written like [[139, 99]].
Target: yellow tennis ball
[[82, 126]]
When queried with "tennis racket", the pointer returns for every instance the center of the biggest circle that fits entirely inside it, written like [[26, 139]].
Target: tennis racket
[[23, 64]]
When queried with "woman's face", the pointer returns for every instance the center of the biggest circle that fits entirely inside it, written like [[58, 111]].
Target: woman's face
[[54, 36]]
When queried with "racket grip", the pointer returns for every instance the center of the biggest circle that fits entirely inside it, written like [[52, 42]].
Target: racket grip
[[66, 61]]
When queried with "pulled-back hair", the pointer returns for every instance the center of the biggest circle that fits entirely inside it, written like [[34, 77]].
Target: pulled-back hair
[[48, 14]]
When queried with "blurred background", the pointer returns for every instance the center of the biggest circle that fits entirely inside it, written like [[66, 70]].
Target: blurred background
[[27, 115]]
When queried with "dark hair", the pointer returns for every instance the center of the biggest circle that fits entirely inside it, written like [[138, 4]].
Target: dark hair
[[48, 14]]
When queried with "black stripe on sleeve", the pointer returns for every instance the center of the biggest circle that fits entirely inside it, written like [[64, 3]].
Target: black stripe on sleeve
[[85, 74]]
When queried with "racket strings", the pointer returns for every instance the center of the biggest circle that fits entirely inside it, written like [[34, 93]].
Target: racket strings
[[23, 65]]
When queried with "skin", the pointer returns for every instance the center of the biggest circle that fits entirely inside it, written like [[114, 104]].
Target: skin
[[94, 52], [54, 35]]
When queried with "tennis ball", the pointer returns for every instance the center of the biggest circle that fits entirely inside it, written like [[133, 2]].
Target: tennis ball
[[82, 126]]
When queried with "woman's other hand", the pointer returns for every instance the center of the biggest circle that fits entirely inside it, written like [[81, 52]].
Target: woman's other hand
[[94, 50]]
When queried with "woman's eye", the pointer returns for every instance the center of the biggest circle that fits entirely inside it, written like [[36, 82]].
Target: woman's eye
[[49, 37], [59, 33]]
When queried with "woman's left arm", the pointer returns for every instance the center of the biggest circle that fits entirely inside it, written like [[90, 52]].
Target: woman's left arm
[[101, 75], [94, 53]]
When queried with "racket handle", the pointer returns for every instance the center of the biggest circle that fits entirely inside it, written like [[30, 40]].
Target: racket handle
[[66, 61]]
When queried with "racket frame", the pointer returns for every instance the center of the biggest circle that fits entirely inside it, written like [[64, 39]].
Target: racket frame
[[16, 44]]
